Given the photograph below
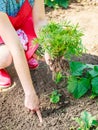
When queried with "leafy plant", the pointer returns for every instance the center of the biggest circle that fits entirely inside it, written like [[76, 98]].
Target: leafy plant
[[64, 40], [60, 40], [59, 77], [76, 68], [83, 77], [78, 87], [57, 3], [87, 121], [55, 97]]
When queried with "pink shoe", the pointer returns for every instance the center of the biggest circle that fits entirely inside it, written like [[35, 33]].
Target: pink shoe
[[33, 63], [5, 80]]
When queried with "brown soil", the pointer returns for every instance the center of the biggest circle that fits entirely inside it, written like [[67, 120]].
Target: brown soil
[[13, 115]]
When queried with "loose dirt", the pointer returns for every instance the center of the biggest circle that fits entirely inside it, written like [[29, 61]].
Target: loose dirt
[[13, 114]]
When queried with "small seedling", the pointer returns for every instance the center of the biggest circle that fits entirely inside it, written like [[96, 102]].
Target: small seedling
[[87, 121], [59, 77], [55, 97]]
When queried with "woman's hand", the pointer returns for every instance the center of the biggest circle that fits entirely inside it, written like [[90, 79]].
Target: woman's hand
[[53, 65], [48, 60], [32, 103]]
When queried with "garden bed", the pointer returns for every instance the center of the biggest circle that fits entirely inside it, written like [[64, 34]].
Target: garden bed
[[13, 115]]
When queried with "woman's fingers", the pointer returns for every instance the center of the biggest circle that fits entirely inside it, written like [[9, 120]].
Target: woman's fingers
[[39, 116], [47, 58]]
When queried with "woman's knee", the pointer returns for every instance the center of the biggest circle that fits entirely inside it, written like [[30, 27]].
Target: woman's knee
[[5, 57]]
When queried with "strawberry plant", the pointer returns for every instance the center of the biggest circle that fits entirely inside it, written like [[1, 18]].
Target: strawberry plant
[[83, 77], [57, 3], [87, 121], [55, 97]]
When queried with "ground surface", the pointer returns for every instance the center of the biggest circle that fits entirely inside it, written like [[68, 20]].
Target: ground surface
[[13, 115]]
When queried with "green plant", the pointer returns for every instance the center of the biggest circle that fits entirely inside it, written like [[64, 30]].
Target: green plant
[[83, 77], [55, 97], [59, 77], [64, 40], [60, 40], [57, 3], [87, 121]]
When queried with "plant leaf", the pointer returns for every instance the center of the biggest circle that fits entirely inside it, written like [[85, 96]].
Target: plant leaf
[[87, 118], [95, 122], [72, 84], [82, 87], [78, 87], [63, 3], [59, 77], [77, 68], [94, 83], [55, 97], [79, 121], [94, 71]]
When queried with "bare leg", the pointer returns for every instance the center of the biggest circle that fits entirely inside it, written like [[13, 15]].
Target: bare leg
[[5, 56], [5, 61]]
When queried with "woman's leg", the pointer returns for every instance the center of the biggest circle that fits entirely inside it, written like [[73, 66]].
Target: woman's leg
[[5, 57], [5, 61]]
